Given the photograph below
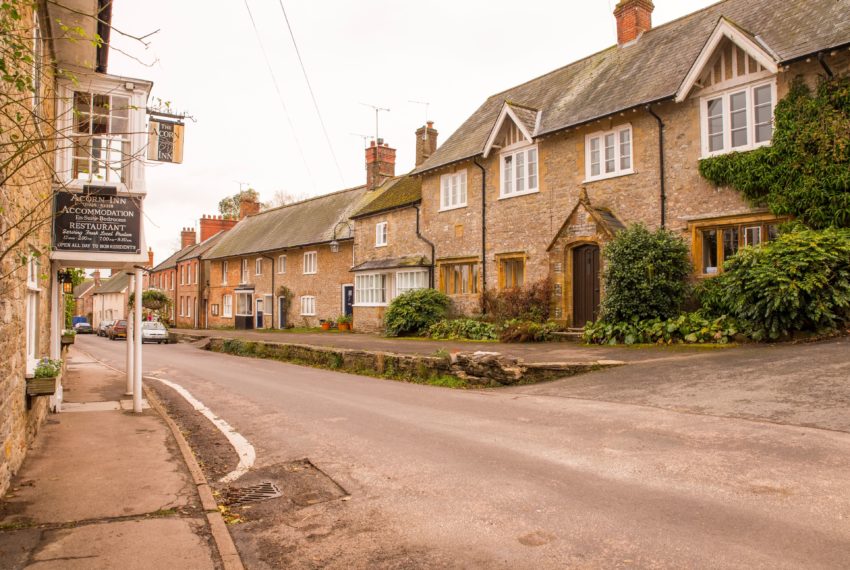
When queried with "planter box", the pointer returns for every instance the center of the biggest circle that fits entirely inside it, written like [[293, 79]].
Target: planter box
[[41, 386], [68, 339]]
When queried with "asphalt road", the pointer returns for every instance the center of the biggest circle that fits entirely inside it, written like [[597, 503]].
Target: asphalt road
[[513, 479]]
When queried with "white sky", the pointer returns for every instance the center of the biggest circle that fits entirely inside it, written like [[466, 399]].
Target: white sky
[[454, 54]]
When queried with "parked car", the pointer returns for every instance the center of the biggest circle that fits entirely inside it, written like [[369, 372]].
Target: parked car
[[118, 330], [83, 327], [103, 327], [153, 331]]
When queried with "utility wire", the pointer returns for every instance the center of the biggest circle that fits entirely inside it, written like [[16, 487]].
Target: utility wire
[[312, 95], [280, 96]]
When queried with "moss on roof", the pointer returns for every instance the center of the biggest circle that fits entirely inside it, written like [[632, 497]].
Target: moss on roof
[[403, 191], [651, 69], [115, 284]]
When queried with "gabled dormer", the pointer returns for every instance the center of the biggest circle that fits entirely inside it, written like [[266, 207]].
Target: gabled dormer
[[734, 78], [512, 137]]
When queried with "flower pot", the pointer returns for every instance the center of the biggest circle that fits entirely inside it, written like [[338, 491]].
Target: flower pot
[[68, 339], [344, 326], [326, 326], [41, 386]]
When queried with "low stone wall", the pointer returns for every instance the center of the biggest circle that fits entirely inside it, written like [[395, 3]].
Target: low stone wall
[[477, 369]]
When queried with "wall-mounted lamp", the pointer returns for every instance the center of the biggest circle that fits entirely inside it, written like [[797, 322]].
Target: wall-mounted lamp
[[67, 281], [334, 243]]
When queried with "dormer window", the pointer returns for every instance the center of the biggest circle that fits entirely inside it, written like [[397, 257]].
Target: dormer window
[[101, 137], [738, 119]]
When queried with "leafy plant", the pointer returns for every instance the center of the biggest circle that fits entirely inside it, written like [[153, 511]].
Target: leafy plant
[[468, 329], [343, 320], [798, 282], [518, 330], [48, 368], [686, 328], [531, 302], [645, 275], [805, 172], [413, 312]]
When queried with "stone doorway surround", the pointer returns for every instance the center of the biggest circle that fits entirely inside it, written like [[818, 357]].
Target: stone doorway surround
[[586, 225]]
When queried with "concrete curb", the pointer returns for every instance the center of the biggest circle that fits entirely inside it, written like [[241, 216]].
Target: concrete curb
[[224, 542]]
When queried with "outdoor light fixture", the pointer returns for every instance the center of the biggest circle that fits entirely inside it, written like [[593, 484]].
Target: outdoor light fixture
[[335, 244], [67, 281]]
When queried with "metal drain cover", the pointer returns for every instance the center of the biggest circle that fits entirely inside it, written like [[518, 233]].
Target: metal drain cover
[[255, 493]]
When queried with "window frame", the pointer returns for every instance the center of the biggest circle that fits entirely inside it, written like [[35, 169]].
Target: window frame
[[444, 283], [618, 153], [249, 304], [224, 272], [365, 296], [504, 259], [258, 266], [311, 302], [725, 95], [227, 306], [281, 263], [125, 138], [401, 275], [381, 234], [314, 255], [243, 271], [446, 203], [764, 222], [512, 152]]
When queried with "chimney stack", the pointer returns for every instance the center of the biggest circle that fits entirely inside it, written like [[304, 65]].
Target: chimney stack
[[150, 258], [426, 142], [211, 225], [96, 277], [380, 163], [187, 237], [248, 206], [634, 17]]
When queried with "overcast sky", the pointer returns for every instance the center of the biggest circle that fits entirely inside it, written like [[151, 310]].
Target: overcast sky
[[206, 60]]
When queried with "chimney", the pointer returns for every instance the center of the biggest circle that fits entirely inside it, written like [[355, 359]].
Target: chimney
[[380, 163], [96, 277], [426, 142], [211, 225], [248, 206], [187, 237], [150, 258], [634, 17]]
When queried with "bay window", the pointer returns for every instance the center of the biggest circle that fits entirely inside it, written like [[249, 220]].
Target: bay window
[[101, 137], [370, 289], [244, 304], [410, 280], [739, 119], [519, 172]]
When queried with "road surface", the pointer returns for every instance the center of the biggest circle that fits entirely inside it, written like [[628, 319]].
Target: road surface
[[513, 479]]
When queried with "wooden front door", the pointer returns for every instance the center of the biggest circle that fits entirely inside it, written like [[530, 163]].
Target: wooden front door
[[585, 284]]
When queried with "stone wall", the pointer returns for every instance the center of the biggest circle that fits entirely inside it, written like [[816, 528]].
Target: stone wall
[[26, 205]]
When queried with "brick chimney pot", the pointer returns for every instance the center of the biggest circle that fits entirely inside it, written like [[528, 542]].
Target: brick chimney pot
[[634, 17]]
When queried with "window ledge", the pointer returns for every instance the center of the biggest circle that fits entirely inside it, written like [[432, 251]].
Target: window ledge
[[747, 148], [371, 304], [518, 194], [609, 176], [450, 208], [381, 245]]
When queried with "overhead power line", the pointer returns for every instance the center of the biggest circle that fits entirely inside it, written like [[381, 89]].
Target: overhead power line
[[312, 94], [280, 96]]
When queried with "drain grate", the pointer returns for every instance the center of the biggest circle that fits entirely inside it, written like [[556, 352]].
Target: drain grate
[[262, 492]]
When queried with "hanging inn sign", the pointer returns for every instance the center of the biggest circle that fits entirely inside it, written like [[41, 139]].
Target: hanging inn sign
[[165, 136], [97, 220]]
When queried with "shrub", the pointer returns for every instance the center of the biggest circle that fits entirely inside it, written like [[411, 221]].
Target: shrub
[[531, 302], [645, 275], [468, 329], [48, 368], [798, 282], [686, 328], [517, 330], [413, 312]]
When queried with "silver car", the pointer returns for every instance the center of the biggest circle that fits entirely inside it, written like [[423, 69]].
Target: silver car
[[101, 328], [154, 331]]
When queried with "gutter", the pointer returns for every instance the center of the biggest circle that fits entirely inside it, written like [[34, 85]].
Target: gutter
[[483, 229], [663, 195], [433, 249], [825, 67]]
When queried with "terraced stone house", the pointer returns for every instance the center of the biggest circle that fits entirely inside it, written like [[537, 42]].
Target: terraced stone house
[[543, 174]]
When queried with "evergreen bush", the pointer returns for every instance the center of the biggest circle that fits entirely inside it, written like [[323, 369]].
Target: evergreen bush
[[413, 312], [646, 275], [464, 329]]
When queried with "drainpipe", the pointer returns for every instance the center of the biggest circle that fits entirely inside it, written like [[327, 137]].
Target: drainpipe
[[823, 64], [433, 249], [273, 294], [661, 166], [483, 230]]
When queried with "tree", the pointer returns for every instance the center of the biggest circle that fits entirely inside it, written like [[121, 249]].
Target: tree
[[229, 206], [282, 198]]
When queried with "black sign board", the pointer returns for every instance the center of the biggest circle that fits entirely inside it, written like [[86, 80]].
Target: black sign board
[[97, 220]]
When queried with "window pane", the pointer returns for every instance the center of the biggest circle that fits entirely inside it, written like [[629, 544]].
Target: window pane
[[752, 235], [610, 162], [738, 107], [509, 175], [520, 172], [462, 177], [730, 243], [625, 149], [532, 169], [594, 157], [709, 251], [454, 196], [772, 232], [445, 195], [763, 113], [715, 125]]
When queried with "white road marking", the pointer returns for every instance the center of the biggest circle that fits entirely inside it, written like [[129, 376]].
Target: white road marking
[[243, 448]]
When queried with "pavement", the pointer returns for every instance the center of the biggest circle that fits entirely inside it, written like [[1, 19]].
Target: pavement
[[545, 352], [102, 487], [733, 458]]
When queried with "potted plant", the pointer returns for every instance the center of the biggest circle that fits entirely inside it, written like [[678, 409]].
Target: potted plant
[[44, 381], [68, 336], [326, 325], [343, 322]]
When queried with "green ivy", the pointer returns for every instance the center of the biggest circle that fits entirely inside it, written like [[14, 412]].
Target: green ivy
[[805, 173]]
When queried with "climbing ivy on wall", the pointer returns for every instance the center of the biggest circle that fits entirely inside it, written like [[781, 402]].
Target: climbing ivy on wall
[[805, 173]]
